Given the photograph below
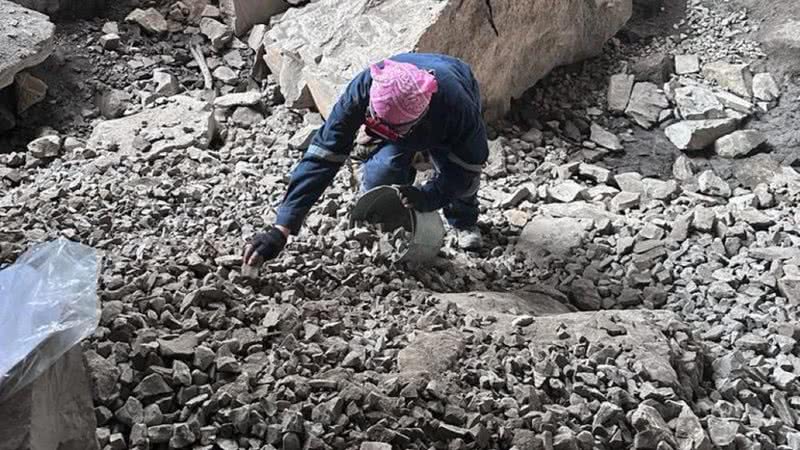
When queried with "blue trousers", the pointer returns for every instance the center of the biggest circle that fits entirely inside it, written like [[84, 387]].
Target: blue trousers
[[391, 164]]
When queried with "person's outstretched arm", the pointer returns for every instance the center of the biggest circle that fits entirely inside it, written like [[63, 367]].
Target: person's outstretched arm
[[328, 151]]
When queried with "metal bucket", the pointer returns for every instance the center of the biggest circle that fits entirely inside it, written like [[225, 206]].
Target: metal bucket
[[382, 205]]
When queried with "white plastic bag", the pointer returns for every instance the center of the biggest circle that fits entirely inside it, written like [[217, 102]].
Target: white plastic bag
[[48, 304]]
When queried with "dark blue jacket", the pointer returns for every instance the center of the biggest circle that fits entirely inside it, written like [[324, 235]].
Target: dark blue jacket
[[452, 130]]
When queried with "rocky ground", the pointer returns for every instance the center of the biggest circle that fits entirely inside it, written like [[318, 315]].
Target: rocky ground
[[631, 294]]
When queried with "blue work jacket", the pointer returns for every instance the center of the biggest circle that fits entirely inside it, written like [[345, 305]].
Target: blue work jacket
[[452, 131]]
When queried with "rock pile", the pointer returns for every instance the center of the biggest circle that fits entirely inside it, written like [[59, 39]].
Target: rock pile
[[702, 116], [610, 308]]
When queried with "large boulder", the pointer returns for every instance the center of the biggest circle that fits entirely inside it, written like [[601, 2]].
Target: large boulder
[[243, 14], [316, 50], [179, 123], [26, 39], [53, 412]]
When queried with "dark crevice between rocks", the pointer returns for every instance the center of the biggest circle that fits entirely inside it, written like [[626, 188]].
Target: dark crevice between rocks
[[491, 17]]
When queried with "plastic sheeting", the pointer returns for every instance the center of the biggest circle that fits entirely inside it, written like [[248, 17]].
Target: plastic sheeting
[[48, 304]]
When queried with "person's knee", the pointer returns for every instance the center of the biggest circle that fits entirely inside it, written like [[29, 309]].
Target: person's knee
[[378, 174], [389, 165]]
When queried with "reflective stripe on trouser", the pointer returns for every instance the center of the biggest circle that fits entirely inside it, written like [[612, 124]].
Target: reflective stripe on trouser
[[392, 164]]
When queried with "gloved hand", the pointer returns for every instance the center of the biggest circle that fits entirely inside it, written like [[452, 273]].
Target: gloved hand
[[265, 246], [413, 198]]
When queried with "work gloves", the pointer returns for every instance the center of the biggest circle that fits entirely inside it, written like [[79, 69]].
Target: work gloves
[[265, 246], [413, 198]]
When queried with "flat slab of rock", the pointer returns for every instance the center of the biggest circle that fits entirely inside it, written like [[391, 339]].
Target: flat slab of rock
[[647, 102], [686, 64], [317, 49], [432, 353], [179, 123], [733, 77], [543, 303], [605, 138], [765, 88], [619, 92], [26, 39], [698, 134], [579, 210], [251, 98], [698, 103], [566, 192], [557, 236], [739, 143]]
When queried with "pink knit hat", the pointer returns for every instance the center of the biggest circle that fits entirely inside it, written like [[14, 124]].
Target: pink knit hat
[[400, 92]]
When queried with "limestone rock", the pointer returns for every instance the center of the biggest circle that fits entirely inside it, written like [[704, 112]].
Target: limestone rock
[[533, 302], [329, 41], [698, 134], [712, 184], [722, 431], [619, 92], [245, 14], [112, 104], [110, 41], [595, 173], [45, 147], [225, 74], [733, 77], [375, 446], [646, 103], [790, 289], [30, 91], [26, 39], [558, 236], [739, 143], [179, 123], [218, 33], [765, 88], [166, 84], [605, 138], [656, 68], [250, 98], [734, 102], [683, 169], [55, 411], [149, 19], [656, 189], [689, 431], [579, 210], [629, 182], [625, 201], [698, 103], [246, 116], [566, 192], [433, 353], [686, 64]]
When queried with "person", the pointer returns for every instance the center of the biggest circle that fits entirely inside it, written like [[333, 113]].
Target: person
[[408, 103]]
